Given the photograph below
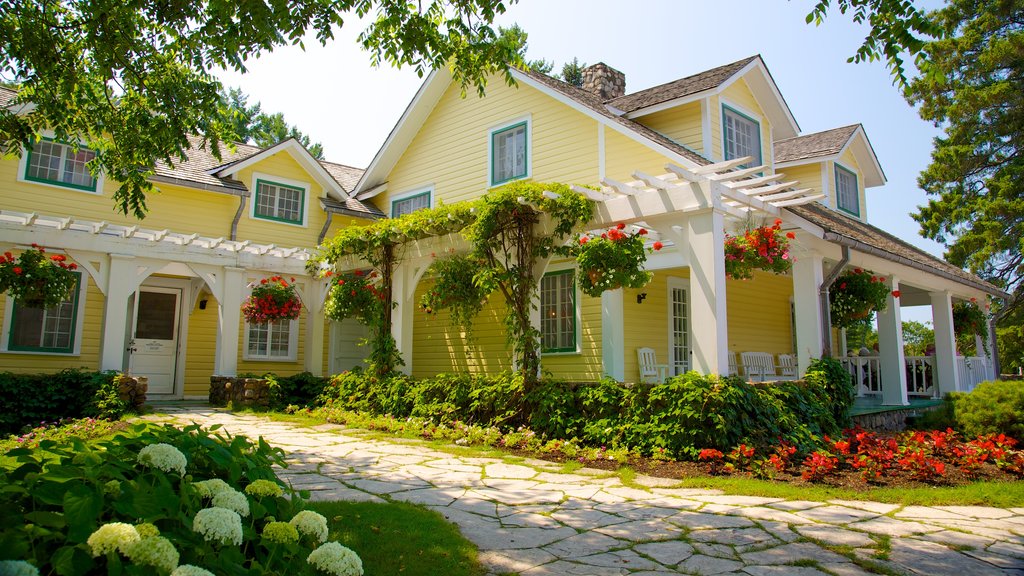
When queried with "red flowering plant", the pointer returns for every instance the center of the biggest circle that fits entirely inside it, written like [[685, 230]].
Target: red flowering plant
[[855, 295], [764, 247], [356, 294], [612, 259], [714, 458], [36, 280], [272, 299]]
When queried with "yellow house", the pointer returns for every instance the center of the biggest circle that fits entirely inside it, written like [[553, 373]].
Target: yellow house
[[161, 296], [690, 160]]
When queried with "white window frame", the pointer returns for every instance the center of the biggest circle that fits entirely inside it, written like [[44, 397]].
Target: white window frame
[[683, 283], [23, 168], [577, 308], [724, 103], [836, 169], [270, 178], [528, 120], [428, 190], [79, 324], [293, 344]]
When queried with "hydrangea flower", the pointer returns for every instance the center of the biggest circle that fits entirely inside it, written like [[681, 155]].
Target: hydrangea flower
[[219, 525], [190, 570], [232, 500], [112, 488], [209, 488], [111, 537], [280, 533], [17, 568], [155, 551], [262, 488], [309, 523], [147, 530], [164, 457], [335, 559]]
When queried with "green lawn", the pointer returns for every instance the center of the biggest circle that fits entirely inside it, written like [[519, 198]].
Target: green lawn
[[400, 539]]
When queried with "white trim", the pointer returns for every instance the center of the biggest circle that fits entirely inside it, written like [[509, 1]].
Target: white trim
[[188, 293], [724, 102], [528, 119], [578, 306], [271, 179], [705, 127], [299, 154], [670, 104], [23, 166], [429, 189], [76, 348], [825, 188], [684, 283]]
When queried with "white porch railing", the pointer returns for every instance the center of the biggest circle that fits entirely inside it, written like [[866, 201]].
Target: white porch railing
[[921, 381]]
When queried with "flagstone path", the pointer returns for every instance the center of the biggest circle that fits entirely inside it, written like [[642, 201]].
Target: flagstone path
[[532, 520]]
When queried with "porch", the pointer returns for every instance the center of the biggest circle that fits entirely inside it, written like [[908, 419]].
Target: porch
[[921, 379]]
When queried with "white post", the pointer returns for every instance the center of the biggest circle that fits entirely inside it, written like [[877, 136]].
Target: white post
[[229, 314], [890, 347], [808, 276], [403, 291], [613, 327], [947, 370], [704, 242], [315, 323], [120, 286]]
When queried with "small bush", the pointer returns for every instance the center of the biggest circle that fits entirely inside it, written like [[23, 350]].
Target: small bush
[[30, 399], [992, 408], [296, 390], [838, 384]]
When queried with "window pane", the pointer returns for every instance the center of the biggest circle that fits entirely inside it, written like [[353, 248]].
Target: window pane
[[280, 202], [270, 339], [558, 312], [155, 319], [289, 204], [258, 339], [742, 137], [410, 204], [847, 195], [75, 170], [44, 161], [509, 151], [50, 330]]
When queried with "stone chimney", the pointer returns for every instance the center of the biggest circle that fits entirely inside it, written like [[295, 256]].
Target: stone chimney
[[604, 81]]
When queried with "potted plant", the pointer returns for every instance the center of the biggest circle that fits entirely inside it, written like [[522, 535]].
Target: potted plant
[[272, 299], [35, 280], [612, 259], [764, 247], [855, 295], [354, 294], [968, 318]]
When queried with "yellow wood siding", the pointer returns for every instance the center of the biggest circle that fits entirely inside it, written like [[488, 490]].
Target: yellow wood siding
[[760, 319], [807, 176], [89, 337], [682, 124], [287, 170], [647, 324], [738, 94], [624, 155], [201, 349], [450, 152]]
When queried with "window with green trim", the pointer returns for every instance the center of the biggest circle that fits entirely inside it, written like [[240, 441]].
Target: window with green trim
[[279, 202], [509, 150], [847, 191], [742, 136], [558, 312], [410, 204], [45, 329], [60, 164]]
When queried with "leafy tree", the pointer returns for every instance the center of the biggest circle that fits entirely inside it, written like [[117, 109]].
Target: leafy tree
[[572, 72], [1010, 341], [917, 338], [254, 126], [517, 37], [131, 78]]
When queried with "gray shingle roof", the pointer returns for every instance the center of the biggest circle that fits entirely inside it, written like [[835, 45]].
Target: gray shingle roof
[[6, 95], [352, 207], [888, 246], [679, 88], [814, 145]]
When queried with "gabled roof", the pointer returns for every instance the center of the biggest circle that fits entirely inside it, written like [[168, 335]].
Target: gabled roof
[[830, 145], [195, 169], [707, 80], [870, 239], [298, 152]]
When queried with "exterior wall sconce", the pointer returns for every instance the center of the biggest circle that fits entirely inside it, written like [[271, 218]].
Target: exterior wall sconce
[[641, 297]]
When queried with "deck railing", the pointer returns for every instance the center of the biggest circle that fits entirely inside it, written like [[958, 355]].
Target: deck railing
[[921, 381]]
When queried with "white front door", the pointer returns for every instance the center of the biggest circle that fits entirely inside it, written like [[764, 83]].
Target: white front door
[[155, 337], [678, 326], [346, 352]]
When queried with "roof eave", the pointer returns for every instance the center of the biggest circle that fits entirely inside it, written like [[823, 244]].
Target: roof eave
[[299, 153]]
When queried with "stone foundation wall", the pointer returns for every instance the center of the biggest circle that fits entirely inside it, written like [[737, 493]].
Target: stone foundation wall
[[132, 389], [239, 391], [892, 421]]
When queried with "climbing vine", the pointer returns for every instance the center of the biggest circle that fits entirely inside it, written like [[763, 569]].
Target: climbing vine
[[455, 289]]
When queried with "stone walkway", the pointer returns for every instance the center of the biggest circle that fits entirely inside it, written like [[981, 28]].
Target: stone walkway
[[532, 520]]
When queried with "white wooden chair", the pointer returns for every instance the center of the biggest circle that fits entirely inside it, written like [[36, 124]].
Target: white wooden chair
[[734, 369], [787, 367], [650, 371], [758, 366]]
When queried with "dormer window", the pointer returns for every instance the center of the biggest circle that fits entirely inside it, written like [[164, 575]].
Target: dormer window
[[742, 136], [510, 153], [60, 164], [279, 202], [847, 191]]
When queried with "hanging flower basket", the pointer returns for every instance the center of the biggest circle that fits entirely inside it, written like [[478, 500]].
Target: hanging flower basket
[[968, 318], [764, 248], [354, 294], [855, 295], [272, 299], [35, 280], [613, 259]]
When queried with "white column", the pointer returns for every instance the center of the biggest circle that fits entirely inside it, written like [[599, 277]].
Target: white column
[[402, 291], [313, 297], [808, 276], [946, 368], [704, 241], [120, 286], [613, 328], [229, 316], [890, 347]]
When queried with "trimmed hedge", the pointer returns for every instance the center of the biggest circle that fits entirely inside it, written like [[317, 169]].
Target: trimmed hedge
[[995, 407], [29, 399], [680, 416]]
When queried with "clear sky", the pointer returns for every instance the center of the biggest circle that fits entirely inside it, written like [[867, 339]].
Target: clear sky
[[334, 95]]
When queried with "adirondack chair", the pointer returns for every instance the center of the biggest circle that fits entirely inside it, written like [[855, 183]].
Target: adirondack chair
[[734, 369], [787, 366], [650, 371], [758, 366]]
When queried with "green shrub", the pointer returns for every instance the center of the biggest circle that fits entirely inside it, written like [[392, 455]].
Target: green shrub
[[107, 403], [297, 390], [992, 408], [30, 399], [58, 496], [838, 384]]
